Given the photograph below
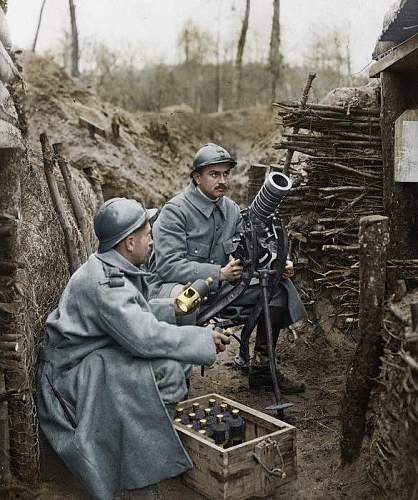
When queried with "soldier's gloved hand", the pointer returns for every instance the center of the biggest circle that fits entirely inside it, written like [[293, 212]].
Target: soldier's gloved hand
[[288, 270], [219, 339], [232, 271]]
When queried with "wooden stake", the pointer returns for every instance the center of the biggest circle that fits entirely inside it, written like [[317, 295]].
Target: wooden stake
[[70, 244], [303, 101], [5, 475], [373, 240], [72, 194]]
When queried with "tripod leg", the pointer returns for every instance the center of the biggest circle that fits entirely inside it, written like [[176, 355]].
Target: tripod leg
[[270, 341]]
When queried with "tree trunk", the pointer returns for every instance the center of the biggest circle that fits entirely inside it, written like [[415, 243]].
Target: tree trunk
[[35, 40], [373, 241], [240, 53], [274, 55], [75, 55]]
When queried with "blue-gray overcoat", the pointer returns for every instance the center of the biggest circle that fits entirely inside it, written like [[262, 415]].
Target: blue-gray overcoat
[[193, 238], [115, 362]]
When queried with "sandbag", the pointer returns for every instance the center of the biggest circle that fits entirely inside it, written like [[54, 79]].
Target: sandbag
[[5, 37], [8, 71]]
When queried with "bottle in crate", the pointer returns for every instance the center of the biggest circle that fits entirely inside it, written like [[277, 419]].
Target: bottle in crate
[[225, 411], [236, 429], [182, 415], [214, 407], [220, 431], [200, 413], [210, 417]]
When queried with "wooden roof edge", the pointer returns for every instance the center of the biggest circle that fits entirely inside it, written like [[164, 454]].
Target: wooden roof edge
[[393, 55]]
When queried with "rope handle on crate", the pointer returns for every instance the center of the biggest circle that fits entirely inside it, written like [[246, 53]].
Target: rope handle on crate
[[274, 471]]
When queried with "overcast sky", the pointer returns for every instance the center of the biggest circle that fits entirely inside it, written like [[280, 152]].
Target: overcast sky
[[151, 26]]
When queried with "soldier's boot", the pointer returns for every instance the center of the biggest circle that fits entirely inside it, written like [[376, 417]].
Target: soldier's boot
[[260, 374]]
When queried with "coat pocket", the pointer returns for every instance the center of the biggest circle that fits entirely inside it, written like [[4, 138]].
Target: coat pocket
[[229, 246], [197, 249]]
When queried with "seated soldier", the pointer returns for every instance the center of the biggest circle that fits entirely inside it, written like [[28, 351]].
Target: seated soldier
[[194, 236], [112, 364]]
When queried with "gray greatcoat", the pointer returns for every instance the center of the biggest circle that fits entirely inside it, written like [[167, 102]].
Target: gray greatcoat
[[115, 361], [193, 238]]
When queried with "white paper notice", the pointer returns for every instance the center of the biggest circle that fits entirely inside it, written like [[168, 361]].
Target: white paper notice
[[408, 164]]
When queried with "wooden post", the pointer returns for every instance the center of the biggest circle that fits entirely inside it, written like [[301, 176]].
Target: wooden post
[[72, 194], [5, 475], [373, 241], [302, 105], [256, 177], [70, 244]]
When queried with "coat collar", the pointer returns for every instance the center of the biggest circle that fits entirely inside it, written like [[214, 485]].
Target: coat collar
[[203, 203], [115, 259]]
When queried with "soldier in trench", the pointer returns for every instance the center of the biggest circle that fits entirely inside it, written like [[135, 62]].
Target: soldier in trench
[[113, 364], [194, 235]]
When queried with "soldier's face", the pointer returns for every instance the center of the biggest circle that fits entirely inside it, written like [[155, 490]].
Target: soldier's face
[[213, 180], [141, 246]]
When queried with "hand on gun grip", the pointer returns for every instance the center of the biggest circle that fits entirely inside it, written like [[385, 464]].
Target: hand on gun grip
[[232, 271]]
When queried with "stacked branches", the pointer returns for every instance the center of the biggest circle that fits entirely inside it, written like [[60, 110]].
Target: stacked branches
[[393, 452], [338, 180]]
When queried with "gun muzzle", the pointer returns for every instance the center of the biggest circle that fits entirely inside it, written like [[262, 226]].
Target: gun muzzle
[[191, 298], [271, 194]]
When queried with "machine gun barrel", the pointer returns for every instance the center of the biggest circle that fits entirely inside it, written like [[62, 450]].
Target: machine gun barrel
[[271, 194]]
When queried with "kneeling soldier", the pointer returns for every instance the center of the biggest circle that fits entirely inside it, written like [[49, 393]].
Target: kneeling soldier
[[113, 364]]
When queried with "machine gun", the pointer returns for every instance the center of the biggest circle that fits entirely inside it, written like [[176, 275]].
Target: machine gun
[[261, 245], [262, 250]]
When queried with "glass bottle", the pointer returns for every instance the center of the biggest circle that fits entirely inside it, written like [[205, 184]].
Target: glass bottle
[[220, 434], [236, 429]]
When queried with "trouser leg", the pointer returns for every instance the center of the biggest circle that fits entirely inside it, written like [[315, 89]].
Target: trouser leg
[[260, 347], [260, 374]]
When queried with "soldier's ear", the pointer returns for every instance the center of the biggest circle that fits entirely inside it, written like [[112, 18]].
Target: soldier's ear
[[129, 242], [196, 177]]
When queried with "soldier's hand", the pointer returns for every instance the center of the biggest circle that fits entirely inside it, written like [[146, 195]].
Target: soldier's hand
[[232, 271], [220, 340], [288, 270]]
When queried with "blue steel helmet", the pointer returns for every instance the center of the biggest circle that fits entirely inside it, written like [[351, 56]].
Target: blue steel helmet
[[210, 154], [116, 219]]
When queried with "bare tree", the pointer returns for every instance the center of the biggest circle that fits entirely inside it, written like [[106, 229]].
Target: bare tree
[[35, 40], [274, 55], [75, 55], [240, 53]]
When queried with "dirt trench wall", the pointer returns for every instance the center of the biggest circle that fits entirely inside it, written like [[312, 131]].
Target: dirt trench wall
[[33, 272]]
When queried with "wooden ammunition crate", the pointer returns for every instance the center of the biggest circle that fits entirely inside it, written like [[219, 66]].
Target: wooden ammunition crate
[[257, 467]]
